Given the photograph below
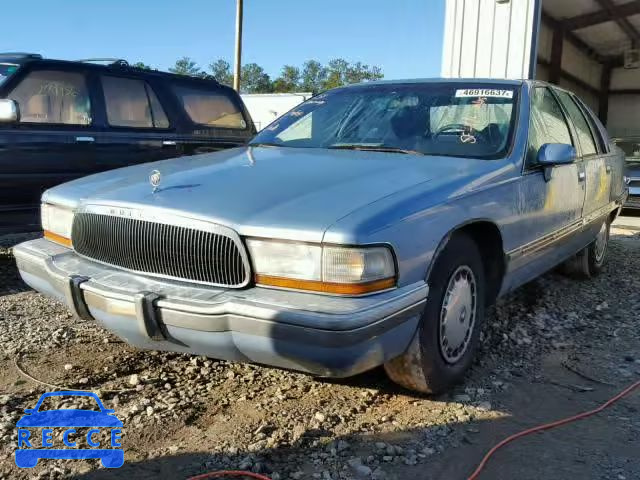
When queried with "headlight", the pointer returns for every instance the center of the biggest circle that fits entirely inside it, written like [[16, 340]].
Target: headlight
[[327, 269], [56, 223]]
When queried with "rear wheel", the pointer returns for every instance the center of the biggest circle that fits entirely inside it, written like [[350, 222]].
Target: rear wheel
[[589, 261], [447, 337]]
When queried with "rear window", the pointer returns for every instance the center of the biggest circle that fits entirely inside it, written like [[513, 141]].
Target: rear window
[[6, 70], [211, 108]]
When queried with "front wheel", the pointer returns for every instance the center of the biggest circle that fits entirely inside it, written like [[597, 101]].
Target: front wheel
[[447, 336]]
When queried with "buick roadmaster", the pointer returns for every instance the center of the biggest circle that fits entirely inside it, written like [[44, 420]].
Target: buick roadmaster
[[371, 225]]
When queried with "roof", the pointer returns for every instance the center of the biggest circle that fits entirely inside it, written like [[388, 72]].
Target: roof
[[608, 27], [117, 66], [497, 81]]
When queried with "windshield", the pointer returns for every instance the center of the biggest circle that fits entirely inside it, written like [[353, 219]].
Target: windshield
[[452, 119], [6, 70]]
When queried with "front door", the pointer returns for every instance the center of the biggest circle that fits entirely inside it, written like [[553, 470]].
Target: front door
[[51, 143], [549, 209]]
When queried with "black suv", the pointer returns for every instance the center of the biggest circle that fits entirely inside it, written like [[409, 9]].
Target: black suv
[[61, 120]]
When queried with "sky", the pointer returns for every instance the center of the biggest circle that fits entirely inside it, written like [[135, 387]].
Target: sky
[[403, 37]]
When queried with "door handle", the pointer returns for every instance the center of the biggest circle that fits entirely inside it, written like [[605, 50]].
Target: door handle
[[581, 176], [608, 169], [85, 139], [169, 143]]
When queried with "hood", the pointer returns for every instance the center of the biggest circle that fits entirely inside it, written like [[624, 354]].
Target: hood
[[69, 418], [266, 191]]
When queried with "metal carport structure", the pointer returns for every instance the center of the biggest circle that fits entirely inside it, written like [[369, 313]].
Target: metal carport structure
[[588, 46]]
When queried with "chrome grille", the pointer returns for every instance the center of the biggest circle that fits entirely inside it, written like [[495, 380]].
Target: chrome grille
[[159, 249]]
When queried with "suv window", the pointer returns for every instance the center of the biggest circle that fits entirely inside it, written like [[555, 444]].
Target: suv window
[[211, 108], [583, 131], [132, 103], [49, 96], [547, 124]]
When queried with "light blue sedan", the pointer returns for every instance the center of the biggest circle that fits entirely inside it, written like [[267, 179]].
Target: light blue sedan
[[371, 225]]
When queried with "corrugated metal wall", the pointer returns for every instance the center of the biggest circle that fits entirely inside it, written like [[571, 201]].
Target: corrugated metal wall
[[487, 38], [624, 109]]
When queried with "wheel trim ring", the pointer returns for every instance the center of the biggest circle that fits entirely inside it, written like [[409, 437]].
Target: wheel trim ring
[[601, 243], [457, 314]]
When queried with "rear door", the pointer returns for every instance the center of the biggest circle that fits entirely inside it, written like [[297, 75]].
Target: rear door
[[135, 125], [50, 144], [598, 173]]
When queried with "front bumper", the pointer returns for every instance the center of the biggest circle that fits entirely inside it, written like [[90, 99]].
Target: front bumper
[[317, 334]]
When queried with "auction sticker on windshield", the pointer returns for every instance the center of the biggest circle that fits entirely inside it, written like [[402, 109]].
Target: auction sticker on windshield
[[483, 92]]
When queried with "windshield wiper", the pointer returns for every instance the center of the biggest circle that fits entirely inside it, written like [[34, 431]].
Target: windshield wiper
[[372, 147], [265, 144]]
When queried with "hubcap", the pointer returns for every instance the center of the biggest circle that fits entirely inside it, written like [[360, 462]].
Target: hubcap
[[601, 243], [458, 314]]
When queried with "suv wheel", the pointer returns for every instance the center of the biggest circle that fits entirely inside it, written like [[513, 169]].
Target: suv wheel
[[447, 336]]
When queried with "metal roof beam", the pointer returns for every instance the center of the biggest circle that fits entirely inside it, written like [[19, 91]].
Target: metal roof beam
[[611, 13], [570, 36], [622, 21]]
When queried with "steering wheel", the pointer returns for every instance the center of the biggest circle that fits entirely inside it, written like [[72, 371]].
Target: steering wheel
[[451, 127]]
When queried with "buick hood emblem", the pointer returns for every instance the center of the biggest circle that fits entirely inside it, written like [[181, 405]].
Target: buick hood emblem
[[154, 179]]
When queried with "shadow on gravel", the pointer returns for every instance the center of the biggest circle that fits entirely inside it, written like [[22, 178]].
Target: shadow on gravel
[[572, 452], [301, 457], [10, 281]]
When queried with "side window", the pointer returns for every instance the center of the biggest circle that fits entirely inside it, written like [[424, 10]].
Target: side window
[[547, 123], [132, 103], [211, 108], [583, 131], [596, 127], [49, 96]]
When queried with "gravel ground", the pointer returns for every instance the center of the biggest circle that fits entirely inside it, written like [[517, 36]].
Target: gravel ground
[[553, 348]]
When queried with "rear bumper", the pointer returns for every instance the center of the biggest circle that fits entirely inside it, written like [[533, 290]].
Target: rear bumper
[[321, 335]]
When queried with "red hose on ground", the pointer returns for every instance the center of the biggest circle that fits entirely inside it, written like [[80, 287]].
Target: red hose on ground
[[548, 426], [483, 463]]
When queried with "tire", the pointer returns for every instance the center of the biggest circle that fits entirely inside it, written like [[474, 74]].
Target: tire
[[433, 363], [589, 261]]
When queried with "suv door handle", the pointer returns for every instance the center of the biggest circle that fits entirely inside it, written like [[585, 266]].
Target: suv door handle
[[85, 139], [168, 143], [608, 169], [581, 176]]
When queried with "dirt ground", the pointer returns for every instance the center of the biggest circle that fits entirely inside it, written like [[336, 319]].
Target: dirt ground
[[554, 348]]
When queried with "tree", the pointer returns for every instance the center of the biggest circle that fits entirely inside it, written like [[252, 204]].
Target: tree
[[341, 72], [336, 73], [254, 79], [142, 65], [221, 70], [288, 81], [186, 66], [359, 72], [313, 76]]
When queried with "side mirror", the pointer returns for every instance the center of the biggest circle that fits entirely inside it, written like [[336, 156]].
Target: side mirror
[[552, 154], [8, 111]]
